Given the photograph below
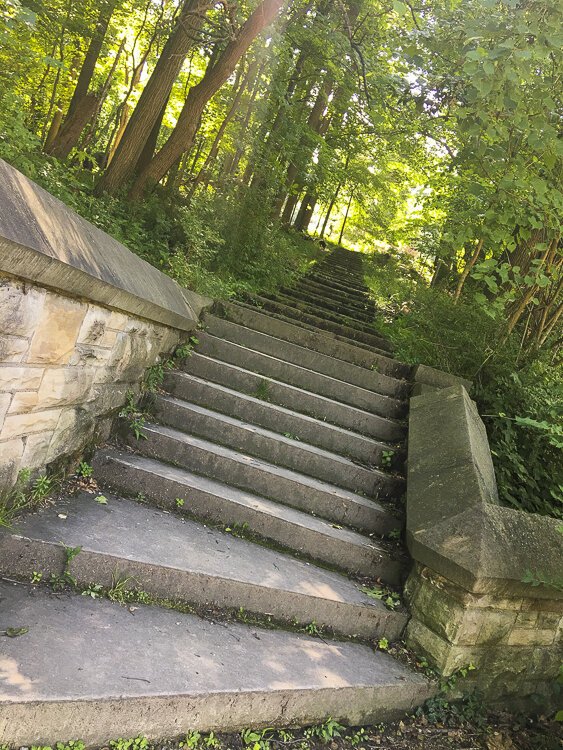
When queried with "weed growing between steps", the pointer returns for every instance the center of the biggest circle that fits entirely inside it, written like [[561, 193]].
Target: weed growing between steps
[[136, 410], [27, 494]]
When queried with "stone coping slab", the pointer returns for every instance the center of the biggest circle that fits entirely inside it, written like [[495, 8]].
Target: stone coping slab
[[455, 525], [44, 241]]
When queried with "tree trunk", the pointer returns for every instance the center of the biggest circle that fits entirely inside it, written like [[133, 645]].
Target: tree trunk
[[345, 218], [183, 134], [154, 96], [202, 175], [81, 101], [54, 129], [73, 126], [305, 212], [467, 270]]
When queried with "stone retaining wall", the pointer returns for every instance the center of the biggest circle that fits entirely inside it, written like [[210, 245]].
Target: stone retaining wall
[[81, 318], [468, 600]]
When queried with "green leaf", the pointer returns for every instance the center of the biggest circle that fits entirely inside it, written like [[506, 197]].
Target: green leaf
[[102, 500]]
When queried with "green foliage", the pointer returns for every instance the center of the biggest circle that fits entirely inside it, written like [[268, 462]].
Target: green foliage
[[519, 398], [24, 495], [85, 470]]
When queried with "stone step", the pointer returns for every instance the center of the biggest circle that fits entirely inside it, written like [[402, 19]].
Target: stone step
[[275, 448], [297, 399], [360, 312], [305, 305], [302, 356], [348, 287], [214, 501], [277, 418], [351, 334], [177, 558], [301, 377], [276, 483], [329, 292], [95, 671], [324, 342]]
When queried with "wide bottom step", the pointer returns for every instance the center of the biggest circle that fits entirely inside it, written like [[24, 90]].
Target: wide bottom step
[[94, 670]]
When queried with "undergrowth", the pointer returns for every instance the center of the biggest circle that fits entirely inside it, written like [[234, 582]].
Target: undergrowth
[[520, 399]]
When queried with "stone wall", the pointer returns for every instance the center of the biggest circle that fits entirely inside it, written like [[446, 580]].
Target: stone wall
[[81, 318], [468, 599]]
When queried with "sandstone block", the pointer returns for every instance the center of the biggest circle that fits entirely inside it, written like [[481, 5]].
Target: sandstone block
[[13, 348], [94, 326], [63, 387], [24, 402], [531, 637], [20, 378], [86, 355], [36, 449], [18, 425], [57, 330], [73, 431], [10, 461], [5, 399], [20, 307]]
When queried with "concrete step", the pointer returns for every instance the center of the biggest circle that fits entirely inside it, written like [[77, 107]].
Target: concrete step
[[324, 342], [346, 286], [302, 356], [301, 377], [297, 399], [273, 482], [93, 670], [305, 305], [291, 311], [358, 313], [277, 418], [214, 501], [176, 558], [330, 292], [275, 448]]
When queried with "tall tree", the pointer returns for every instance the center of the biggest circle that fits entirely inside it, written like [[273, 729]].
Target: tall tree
[[187, 125]]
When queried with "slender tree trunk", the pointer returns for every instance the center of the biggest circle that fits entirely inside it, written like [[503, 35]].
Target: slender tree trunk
[[202, 175], [330, 207], [305, 212], [345, 217], [155, 95], [82, 102], [467, 270], [54, 128], [183, 134]]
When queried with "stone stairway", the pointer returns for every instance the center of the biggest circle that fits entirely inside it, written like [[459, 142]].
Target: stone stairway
[[286, 425]]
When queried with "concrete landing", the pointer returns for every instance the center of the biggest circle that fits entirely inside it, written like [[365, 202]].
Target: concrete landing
[[159, 673]]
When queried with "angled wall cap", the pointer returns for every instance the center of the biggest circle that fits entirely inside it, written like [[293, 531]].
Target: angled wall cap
[[455, 525], [43, 241]]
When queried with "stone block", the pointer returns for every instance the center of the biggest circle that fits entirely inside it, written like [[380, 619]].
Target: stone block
[[36, 450], [57, 331], [13, 348], [530, 637], [24, 402], [94, 326], [437, 378], [20, 378], [108, 397], [86, 355], [65, 386], [20, 307], [5, 400], [18, 425], [11, 452], [73, 431]]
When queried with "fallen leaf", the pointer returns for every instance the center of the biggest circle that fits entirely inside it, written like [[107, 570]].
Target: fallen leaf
[[102, 500], [15, 632], [62, 515]]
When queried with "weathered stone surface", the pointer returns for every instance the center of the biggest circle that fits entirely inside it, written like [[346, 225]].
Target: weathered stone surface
[[36, 450], [10, 457], [45, 242], [24, 402], [16, 425], [20, 378], [57, 330], [95, 326], [429, 376], [20, 307], [5, 400], [64, 386], [13, 348], [466, 593]]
